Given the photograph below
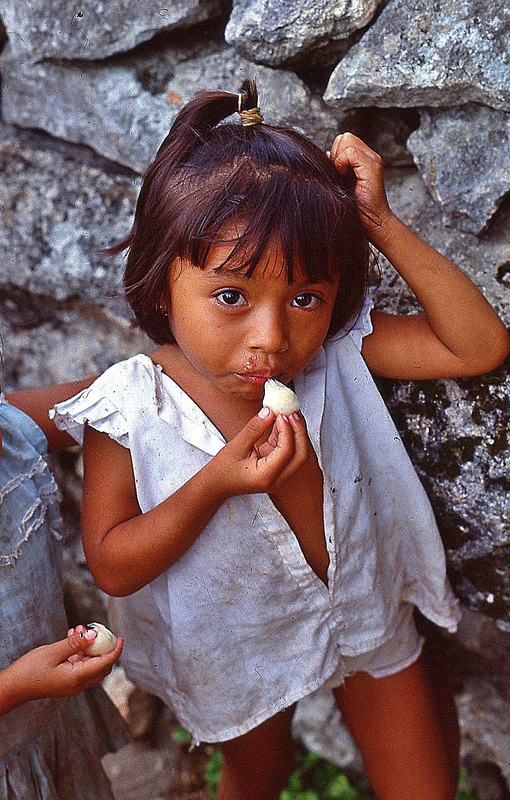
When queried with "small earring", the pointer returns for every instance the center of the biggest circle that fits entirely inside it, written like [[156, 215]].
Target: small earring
[[161, 309]]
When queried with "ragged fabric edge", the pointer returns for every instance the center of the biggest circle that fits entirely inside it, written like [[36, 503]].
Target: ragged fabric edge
[[40, 507]]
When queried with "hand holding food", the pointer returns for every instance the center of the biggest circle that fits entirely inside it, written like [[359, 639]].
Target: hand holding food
[[59, 669]]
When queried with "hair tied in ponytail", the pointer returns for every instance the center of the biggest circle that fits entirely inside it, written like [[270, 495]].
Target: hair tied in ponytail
[[249, 117]]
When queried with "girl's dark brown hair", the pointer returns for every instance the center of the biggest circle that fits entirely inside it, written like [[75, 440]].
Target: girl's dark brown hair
[[270, 184]]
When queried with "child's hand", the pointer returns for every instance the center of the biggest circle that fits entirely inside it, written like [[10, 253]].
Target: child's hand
[[249, 463], [55, 670], [352, 156]]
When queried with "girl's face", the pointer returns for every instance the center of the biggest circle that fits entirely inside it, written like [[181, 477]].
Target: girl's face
[[236, 332]]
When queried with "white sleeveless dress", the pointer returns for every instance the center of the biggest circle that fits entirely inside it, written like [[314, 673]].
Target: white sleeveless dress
[[241, 627]]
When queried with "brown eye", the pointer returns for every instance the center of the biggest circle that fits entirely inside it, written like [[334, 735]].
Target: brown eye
[[230, 297], [305, 300]]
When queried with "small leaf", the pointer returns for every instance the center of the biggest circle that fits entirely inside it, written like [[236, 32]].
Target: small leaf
[[180, 735]]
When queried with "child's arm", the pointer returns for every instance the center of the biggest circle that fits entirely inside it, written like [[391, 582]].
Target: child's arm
[[60, 669], [126, 549], [459, 333], [37, 403]]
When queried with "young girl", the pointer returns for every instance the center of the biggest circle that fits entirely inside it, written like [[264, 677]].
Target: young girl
[[50, 743], [255, 559]]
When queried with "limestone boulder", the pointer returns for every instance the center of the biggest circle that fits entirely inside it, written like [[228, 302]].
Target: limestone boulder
[[58, 213], [39, 30], [464, 157], [437, 54], [274, 32], [485, 715], [109, 109]]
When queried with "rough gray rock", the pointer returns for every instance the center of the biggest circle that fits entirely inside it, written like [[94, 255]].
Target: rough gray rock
[[457, 431], [435, 54], [274, 32], [57, 215], [484, 258], [108, 108], [460, 450], [318, 724], [38, 29], [464, 156], [105, 108], [485, 715]]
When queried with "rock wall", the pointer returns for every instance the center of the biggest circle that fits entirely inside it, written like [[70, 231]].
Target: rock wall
[[89, 91]]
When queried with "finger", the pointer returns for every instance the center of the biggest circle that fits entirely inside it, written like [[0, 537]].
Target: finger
[[247, 438], [339, 155], [284, 447], [110, 658], [272, 439], [301, 446], [79, 638], [348, 141], [65, 648], [350, 153]]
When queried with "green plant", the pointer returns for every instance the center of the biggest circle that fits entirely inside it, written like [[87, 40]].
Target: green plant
[[316, 779], [212, 772], [464, 792], [180, 735]]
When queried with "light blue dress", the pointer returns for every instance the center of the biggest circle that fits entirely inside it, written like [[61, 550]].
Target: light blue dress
[[49, 749]]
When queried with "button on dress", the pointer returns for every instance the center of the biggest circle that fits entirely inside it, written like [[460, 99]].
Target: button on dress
[[241, 627]]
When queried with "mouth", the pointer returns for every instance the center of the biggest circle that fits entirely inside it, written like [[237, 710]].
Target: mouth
[[256, 378]]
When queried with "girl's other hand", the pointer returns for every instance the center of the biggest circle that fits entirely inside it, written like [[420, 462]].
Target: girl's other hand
[[254, 461], [351, 156], [60, 669]]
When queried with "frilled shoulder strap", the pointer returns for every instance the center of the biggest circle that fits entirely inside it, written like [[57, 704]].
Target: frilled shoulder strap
[[102, 406]]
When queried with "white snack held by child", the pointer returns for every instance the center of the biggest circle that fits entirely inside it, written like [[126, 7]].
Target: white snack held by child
[[280, 398], [104, 642]]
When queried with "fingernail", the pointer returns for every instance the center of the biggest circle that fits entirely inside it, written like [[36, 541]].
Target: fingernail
[[264, 412]]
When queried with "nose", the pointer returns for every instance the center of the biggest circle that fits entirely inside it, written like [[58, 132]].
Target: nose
[[268, 331]]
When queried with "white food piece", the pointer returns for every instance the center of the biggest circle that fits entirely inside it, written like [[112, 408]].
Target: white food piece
[[104, 642], [279, 398]]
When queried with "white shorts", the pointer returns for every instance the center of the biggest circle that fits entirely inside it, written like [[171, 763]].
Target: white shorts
[[399, 652]]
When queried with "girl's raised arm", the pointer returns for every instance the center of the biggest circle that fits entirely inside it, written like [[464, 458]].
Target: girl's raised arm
[[459, 333], [36, 403]]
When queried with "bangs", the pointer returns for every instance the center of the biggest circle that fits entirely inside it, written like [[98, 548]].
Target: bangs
[[253, 205]]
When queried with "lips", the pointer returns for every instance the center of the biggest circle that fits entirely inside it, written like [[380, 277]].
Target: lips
[[257, 378]]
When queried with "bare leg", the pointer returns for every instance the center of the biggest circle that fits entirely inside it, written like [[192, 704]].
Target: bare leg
[[408, 741], [256, 766]]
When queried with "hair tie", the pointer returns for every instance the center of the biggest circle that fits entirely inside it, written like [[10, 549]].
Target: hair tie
[[250, 117]]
